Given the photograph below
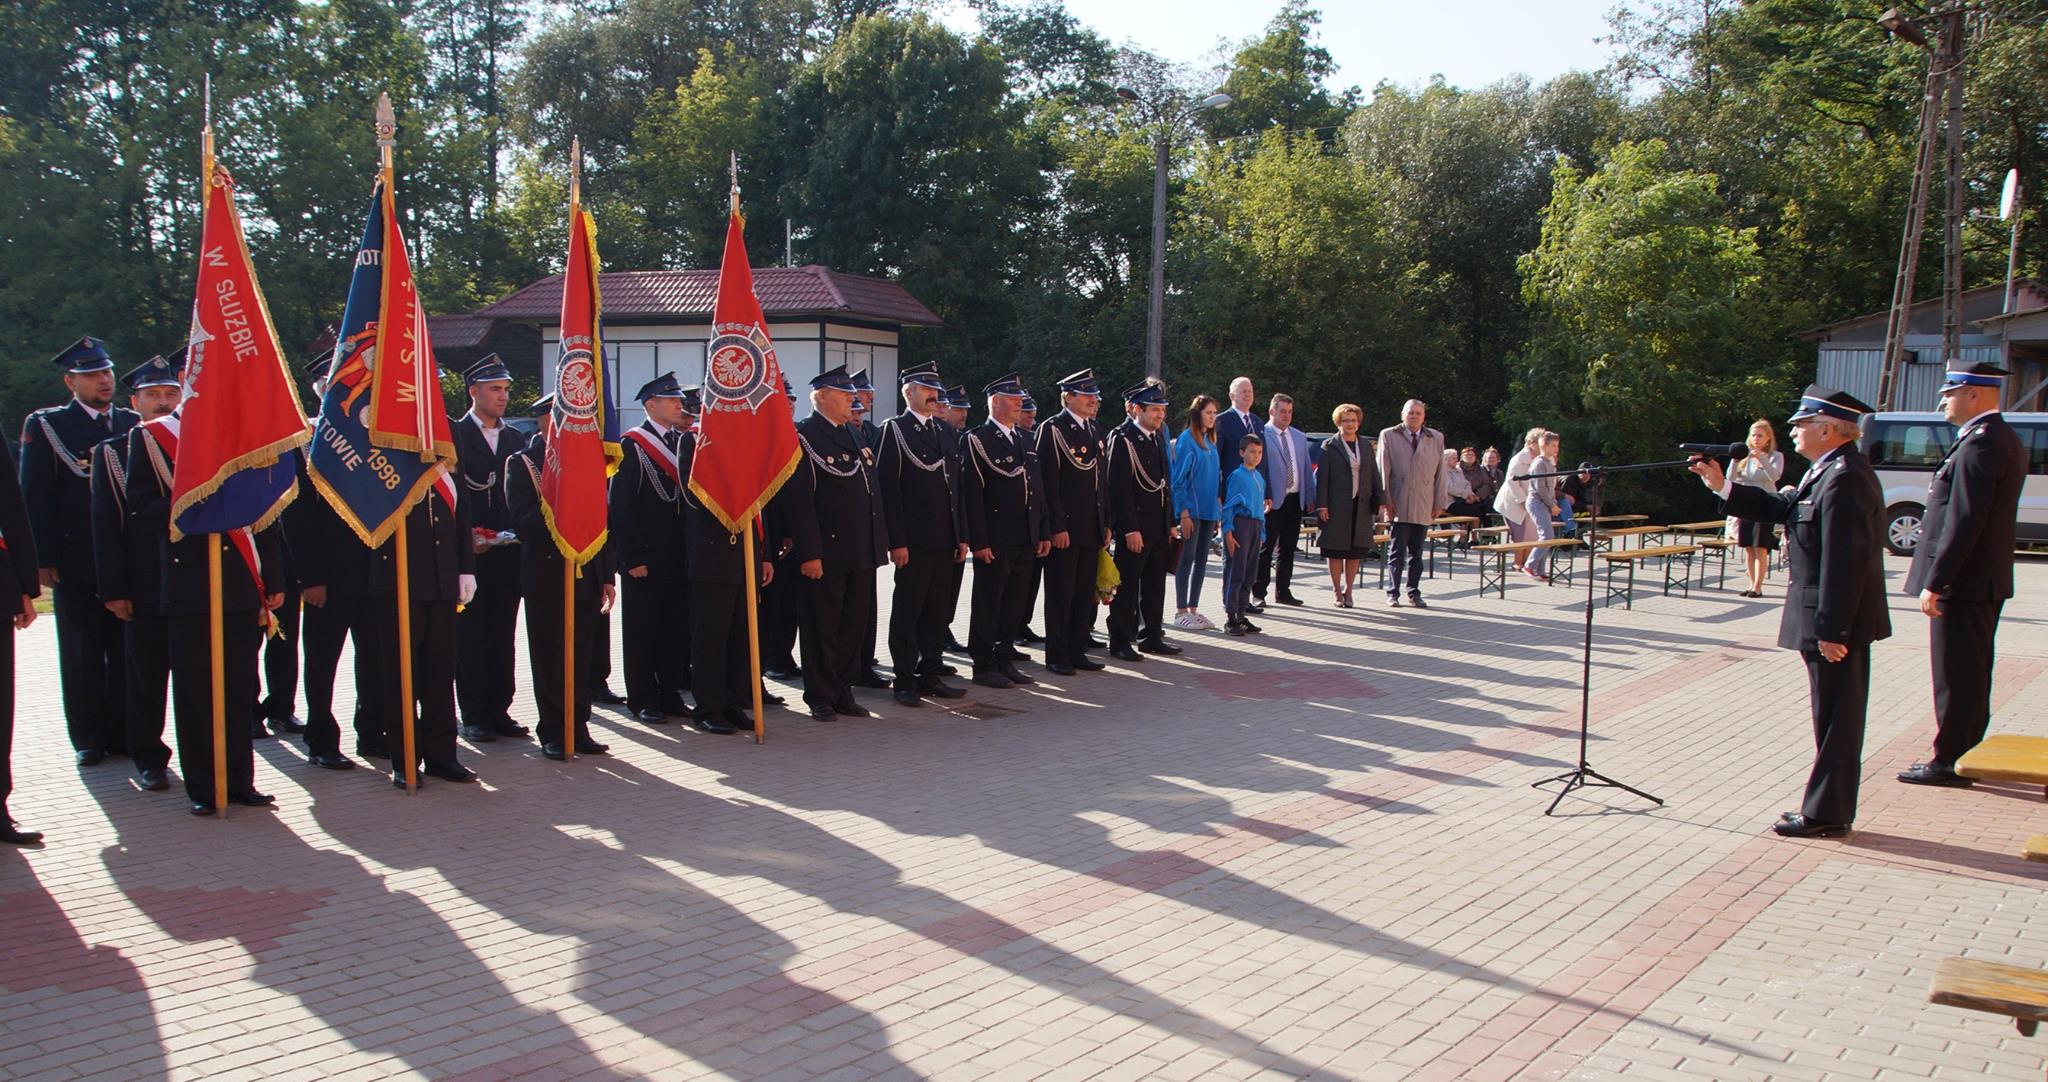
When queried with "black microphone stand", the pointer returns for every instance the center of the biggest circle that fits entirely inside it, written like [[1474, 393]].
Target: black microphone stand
[[1584, 776]]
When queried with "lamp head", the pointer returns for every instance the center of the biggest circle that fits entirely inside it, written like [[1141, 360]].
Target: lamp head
[[1900, 26]]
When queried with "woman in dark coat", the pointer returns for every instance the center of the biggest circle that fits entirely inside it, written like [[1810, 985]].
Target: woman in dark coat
[[1348, 494]]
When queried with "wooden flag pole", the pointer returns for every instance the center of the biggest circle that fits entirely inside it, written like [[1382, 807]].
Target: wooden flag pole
[[568, 565], [220, 685], [387, 145], [754, 636]]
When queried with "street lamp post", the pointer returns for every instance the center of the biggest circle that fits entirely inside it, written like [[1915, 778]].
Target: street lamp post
[[1165, 115]]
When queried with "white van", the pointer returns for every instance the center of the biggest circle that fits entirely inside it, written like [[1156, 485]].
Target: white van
[[1906, 447]]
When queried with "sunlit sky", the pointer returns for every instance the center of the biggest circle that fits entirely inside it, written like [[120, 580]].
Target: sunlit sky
[[1469, 42]]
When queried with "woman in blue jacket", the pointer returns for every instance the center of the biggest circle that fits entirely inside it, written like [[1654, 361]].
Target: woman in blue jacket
[[1197, 502]]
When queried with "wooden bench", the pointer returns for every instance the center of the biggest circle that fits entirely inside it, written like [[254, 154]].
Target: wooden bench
[[1618, 538], [1718, 548], [2017, 992], [2036, 849], [1493, 560], [1670, 554], [2006, 757]]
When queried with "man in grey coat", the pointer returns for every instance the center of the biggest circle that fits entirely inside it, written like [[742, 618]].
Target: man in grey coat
[[1411, 462]]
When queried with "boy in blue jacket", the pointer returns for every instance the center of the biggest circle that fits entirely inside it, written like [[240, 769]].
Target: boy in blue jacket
[[1244, 530]]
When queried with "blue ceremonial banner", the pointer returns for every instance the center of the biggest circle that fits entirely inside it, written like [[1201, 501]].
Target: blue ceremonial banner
[[369, 489]]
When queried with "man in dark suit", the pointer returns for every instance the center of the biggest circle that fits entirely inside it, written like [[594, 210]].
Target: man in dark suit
[[486, 628], [718, 612], [918, 478], [20, 583], [540, 579], [1834, 603], [1962, 566], [440, 575], [839, 539], [1076, 522], [647, 533], [125, 556], [1002, 509], [777, 605], [56, 457], [1027, 423], [957, 406], [870, 437], [1140, 500], [246, 599]]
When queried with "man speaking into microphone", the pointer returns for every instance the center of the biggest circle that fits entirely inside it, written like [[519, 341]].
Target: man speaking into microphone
[[1834, 604]]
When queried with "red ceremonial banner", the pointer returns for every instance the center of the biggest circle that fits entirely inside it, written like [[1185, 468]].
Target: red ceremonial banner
[[746, 441], [241, 413], [583, 447], [406, 411]]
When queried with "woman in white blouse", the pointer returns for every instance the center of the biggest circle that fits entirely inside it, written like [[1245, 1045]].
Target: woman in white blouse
[[1761, 468], [1512, 501]]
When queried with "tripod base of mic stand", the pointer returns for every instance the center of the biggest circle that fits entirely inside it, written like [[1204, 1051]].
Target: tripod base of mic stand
[[1585, 777]]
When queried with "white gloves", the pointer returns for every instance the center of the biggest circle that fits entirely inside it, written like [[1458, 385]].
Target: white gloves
[[466, 588]]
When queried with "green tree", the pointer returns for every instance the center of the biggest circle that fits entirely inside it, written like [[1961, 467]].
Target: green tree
[[1643, 296], [1281, 81]]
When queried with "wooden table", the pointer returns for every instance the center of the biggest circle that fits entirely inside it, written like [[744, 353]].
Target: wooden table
[[1495, 577], [2008, 757], [1456, 520], [1618, 538], [1670, 554], [1610, 518]]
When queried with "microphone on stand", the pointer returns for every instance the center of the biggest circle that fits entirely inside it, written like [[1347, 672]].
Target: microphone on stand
[[1711, 450]]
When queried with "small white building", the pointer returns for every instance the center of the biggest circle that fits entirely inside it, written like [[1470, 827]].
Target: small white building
[[660, 321]]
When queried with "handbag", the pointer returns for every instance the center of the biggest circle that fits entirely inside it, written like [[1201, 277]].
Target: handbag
[[1106, 577]]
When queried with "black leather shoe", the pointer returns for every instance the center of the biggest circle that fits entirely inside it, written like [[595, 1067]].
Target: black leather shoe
[[1256, 607], [851, 709], [1125, 653], [676, 708], [1289, 600], [252, 799], [12, 834], [152, 779], [1159, 646], [770, 698], [91, 757], [823, 713], [1799, 826], [1015, 675], [948, 670], [873, 679], [955, 646], [604, 694], [783, 674], [332, 762], [201, 807], [1059, 668], [554, 751], [398, 778], [909, 698], [592, 747], [478, 734], [938, 690], [454, 772], [738, 719], [1011, 653], [1095, 643], [1030, 637], [712, 724], [993, 680], [512, 730], [651, 716], [287, 724], [1085, 663], [1934, 774]]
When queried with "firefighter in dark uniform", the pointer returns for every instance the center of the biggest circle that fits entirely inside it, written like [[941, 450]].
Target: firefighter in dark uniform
[[20, 582], [918, 478], [779, 608], [1070, 457], [716, 563], [834, 516], [125, 557], [486, 629], [334, 582], [1962, 566], [870, 437], [56, 456], [1027, 422], [540, 576], [1834, 603], [246, 600], [1142, 522], [1004, 514], [440, 575], [957, 405], [647, 534]]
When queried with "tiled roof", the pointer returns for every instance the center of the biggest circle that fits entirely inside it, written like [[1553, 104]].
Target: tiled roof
[[784, 292], [447, 332]]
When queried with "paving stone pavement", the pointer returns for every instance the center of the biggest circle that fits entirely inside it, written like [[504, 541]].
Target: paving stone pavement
[[1313, 853]]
